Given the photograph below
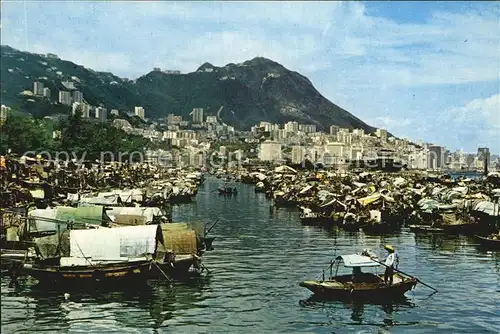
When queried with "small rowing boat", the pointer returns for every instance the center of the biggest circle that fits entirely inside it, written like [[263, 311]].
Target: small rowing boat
[[359, 285]]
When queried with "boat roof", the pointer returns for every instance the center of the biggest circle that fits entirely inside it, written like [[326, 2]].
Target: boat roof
[[356, 260]]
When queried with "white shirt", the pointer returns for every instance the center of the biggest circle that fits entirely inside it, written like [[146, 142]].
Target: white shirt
[[392, 260]]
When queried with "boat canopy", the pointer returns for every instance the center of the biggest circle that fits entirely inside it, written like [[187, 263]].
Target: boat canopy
[[356, 260], [115, 243], [285, 169], [487, 207], [259, 176], [46, 220], [147, 212], [306, 189]]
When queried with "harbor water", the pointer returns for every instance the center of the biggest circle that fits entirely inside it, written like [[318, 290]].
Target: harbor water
[[260, 257]]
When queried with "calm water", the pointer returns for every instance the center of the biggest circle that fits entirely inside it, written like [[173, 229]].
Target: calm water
[[256, 266]]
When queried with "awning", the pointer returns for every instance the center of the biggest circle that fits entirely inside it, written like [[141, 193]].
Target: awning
[[369, 199], [114, 243], [147, 212], [355, 260], [285, 169], [489, 208]]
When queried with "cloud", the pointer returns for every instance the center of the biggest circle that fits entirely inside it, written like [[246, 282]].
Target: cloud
[[477, 121], [386, 122]]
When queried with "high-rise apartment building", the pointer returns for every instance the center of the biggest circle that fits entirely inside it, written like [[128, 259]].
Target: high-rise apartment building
[[38, 88], [197, 115], [139, 111], [65, 97]]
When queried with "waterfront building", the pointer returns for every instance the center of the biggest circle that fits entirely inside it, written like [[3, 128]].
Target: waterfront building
[[270, 151], [436, 158], [298, 154], [483, 157]]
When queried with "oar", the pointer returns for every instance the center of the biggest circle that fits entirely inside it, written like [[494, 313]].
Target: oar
[[161, 271], [401, 272], [211, 227]]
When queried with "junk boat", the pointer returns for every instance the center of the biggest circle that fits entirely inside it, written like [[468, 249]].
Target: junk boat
[[359, 285], [102, 255], [84, 273]]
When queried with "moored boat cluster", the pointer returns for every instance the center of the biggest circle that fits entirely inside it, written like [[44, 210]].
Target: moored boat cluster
[[91, 223], [383, 202]]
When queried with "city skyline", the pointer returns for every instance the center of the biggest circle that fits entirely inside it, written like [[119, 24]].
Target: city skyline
[[413, 69]]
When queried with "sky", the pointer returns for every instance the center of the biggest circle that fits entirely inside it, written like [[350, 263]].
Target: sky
[[425, 71]]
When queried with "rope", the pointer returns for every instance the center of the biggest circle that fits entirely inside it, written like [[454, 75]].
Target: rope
[[83, 254]]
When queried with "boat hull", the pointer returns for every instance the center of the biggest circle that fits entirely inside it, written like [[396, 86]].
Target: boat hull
[[316, 221], [371, 291], [425, 229], [109, 274], [488, 243]]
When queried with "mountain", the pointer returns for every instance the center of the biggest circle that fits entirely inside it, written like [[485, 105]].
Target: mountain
[[256, 90]]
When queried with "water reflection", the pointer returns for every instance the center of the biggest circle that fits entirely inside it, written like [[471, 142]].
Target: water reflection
[[360, 313], [444, 242], [157, 301]]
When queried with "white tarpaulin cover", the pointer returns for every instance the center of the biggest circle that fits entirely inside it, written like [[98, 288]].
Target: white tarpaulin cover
[[110, 199], [125, 195], [148, 212], [113, 243], [285, 169]]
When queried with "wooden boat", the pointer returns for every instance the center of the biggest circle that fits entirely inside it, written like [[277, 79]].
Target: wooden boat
[[488, 242], [359, 285], [379, 228], [460, 228], [311, 218], [425, 229], [226, 190], [111, 273]]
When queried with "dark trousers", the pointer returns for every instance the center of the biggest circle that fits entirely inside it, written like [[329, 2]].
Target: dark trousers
[[389, 272]]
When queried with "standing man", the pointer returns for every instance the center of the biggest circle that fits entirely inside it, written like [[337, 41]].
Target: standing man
[[391, 261]]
